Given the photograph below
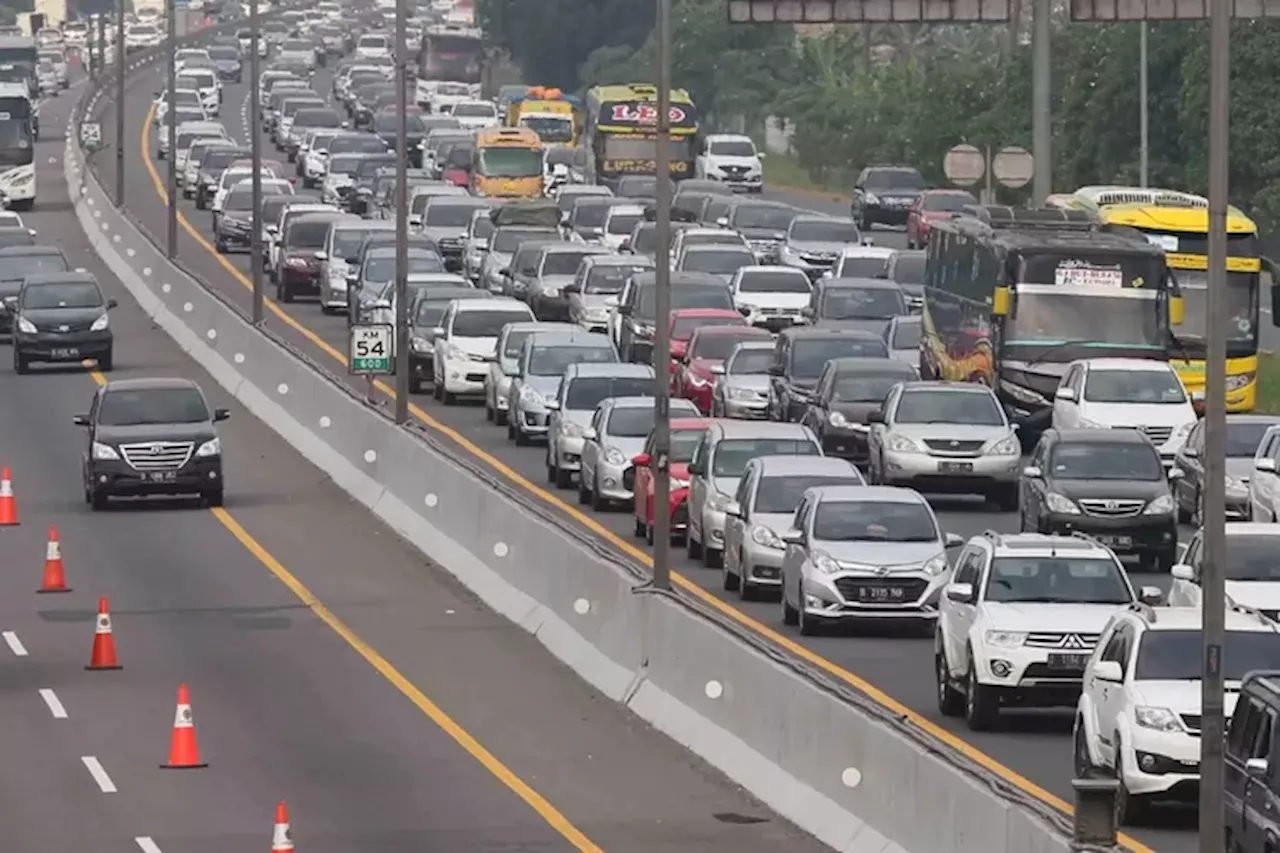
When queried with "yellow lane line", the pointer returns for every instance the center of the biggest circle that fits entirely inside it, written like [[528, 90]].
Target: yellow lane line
[[549, 813], [691, 587]]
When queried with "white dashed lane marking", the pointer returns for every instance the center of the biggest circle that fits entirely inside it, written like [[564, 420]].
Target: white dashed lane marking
[[15, 645], [99, 774], [56, 707]]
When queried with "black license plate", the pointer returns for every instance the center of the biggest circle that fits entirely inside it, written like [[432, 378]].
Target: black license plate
[[65, 352], [1068, 663], [160, 476], [882, 594], [955, 467]]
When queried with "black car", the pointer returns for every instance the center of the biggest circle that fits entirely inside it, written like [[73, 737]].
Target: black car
[[855, 303], [848, 390], [61, 317], [1107, 483], [18, 262], [884, 194], [300, 266], [151, 437], [376, 268], [213, 161], [764, 224], [799, 356], [906, 269], [1244, 434], [638, 307], [632, 187]]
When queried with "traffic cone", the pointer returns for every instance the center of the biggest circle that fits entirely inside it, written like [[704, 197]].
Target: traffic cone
[[55, 579], [282, 838], [8, 506], [104, 643], [184, 754]]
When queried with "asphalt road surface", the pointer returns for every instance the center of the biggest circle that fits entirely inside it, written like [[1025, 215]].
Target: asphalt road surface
[[331, 665], [1033, 749]]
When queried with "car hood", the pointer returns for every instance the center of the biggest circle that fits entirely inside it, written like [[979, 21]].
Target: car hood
[[557, 282], [1139, 414], [771, 234], [778, 522], [817, 247], [476, 346], [1240, 468], [198, 433], [726, 485], [544, 385], [445, 233], [1114, 489], [45, 317], [947, 432], [601, 300], [748, 381], [627, 445], [581, 417], [907, 555], [1181, 697], [791, 301], [1043, 616], [1260, 595], [855, 412]]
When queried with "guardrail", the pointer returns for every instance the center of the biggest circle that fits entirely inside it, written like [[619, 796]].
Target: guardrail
[[825, 756]]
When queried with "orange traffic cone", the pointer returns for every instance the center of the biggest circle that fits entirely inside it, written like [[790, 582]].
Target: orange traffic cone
[[8, 506], [55, 579], [282, 838], [184, 754], [104, 643]]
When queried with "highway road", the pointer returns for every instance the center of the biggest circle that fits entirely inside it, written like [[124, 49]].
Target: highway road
[[331, 665], [1032, 749]]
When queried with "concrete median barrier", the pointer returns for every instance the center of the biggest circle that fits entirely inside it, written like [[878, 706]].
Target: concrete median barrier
[[841, 767]]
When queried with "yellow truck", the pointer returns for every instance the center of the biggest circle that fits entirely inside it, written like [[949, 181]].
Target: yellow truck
[[547, 112], [508, 163]]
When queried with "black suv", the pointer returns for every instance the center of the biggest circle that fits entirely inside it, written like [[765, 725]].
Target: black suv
[[1109, 484], [151, 437], [1252, 759], [884, 194], [61, 317]]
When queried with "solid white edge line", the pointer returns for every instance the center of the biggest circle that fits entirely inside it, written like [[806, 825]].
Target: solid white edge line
[[147, 845], [99, 774], [51, 699], [15, 645]]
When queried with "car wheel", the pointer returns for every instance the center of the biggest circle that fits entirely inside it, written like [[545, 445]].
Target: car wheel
[[106, 361], [790, 616], [415, 384], [1081, 764], [711, 557], [563, 478], [648, 534], [980, 704], [598, 503], [1197, 515], [584, 493], [729, 580], [641, 528], [447, 397], [950, 700], [499, 417], [1131, 809], [220, 246], [808, 626], [692, 547]]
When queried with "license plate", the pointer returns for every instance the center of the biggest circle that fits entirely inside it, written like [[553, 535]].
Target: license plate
[[160, 476], [65, 352], [1072, 663], [955, 467], [881, 594], [1116, 541]]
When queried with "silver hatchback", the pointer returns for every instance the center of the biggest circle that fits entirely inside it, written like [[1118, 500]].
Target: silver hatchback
[[618, 431]]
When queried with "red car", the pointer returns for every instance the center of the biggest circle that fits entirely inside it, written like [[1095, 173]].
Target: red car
[[933, 206], [710, 346], [685, 433], [686, 321]]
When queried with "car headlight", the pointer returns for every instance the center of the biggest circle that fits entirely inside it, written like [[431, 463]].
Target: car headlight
[[1234, 485], [568, 429], [420, 344], [212, 447], [1060, 504], [1157, 719], [99, 324], [824, 563], [453, 352], [643, 330], [1162, 505], [741, 394], [532, 398], [1005, 639], [838, 420], [717, 502], [26, 326], [1006, 447], [614, 456], [1183, 430], [936, 565], [1240, 381], [871, 198], [551, 292], [765, 537], [902, 444], [104, 451]]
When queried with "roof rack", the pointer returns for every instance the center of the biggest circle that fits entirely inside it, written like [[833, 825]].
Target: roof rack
[[999, 216]]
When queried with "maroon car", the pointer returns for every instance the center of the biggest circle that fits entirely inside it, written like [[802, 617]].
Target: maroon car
[[300, 265]]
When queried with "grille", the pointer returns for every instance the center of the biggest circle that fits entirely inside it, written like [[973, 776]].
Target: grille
[[1068, 642], [157, 455], [946, 445], [79, 326], [1157, 434], [912, 588], [734, 170], [1112, 508]]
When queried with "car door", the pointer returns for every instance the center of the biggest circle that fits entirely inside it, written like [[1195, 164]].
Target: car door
[[594, 440], [556, 414], [441, 341], [1066, 413], [1272, 479], [815, 411], [91, 435], [1186, 593], [876, 432], [955, 616], [794, 556], [640, 488], [1259, 801], [699, 473], [736, 526], [778, 379], [1109, 698], [1031, 489], [1190, 460]]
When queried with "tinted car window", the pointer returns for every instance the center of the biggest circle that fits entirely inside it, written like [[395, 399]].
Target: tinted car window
[[152, 406]]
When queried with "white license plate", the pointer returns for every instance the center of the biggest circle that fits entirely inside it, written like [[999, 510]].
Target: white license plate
[[1116, 541], [160, 476], [65, 352]]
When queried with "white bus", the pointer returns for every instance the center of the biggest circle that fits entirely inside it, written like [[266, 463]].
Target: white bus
[[17, 146]]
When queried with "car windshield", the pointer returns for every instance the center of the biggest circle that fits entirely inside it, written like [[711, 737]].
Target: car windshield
[[873, 521], [808, 357], [714, 238], [1147, 387], [863, 388], [630, 421], [590, 214], [908, 268], [485, 324], [444, 215], [716, 347], [307, 234], [1253, 558], [733, 454], [609, 278], [18, 266], [717, 261], [860, 266], [1057, 580], [683, 443], [507, 240], [762, 216], [684, 296], [553, 360], [378, 270], [733, 148], [562, 263], [1243, 437], [152, 406], [70, 294], [783, 494], [1105, 461], [585, 392], [863, 303], [430, 311], [683, 327], [771, 281], [316, 118], [482, 227], [224, 53], [513, 344], [894, 179], [644, 240], [238, 199], [474, 110], [357, 145], [1176, 655], [930, 406], [751, 362], [906, 336], [622, 224], [825, 231], [347, 242], [947, 202]]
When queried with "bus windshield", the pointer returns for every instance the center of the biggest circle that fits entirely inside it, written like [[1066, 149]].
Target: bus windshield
[[1049, 316], [508, 162]]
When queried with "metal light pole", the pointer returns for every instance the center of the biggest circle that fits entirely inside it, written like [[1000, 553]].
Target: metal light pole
[[171, 121], [1144, 145], [102, 43], [1213, 604], [662, 332], [120, 105], [402, 216], [1041, 117], [255, 145]]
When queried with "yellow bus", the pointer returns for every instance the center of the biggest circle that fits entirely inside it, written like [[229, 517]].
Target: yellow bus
[[547, 112], [621, 132], [1178, 222], [508, 163]]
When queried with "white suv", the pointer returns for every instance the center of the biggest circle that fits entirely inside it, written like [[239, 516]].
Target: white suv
[[1139, 713], [1137, 393], [1019, 619], [732, 159]]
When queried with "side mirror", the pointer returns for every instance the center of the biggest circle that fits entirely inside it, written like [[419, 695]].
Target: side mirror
[[744, 310], [112, 303], [734, 509], [1176, 474], [875, 417], [774, 370], [80, 420], [953, 540], [1068, 394], [723, 222], [573, 288], [322, 256], [273, 229], [1032, 472], [1151, 595], [553, 405], [612, 302], [437, 331], [1191, 453], [490, 357], [597, 232], [793, 537], [641, 460], [590, 434], [1182, 572], [625, 246], [1256, 768], [1266, 465], [697, 469], [762, 155], [1108, 670], [221, 414], [505, 272], [717, 369], [960, 593]]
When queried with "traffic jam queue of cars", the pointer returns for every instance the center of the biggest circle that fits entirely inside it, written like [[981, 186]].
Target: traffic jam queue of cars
[[805, 426]]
